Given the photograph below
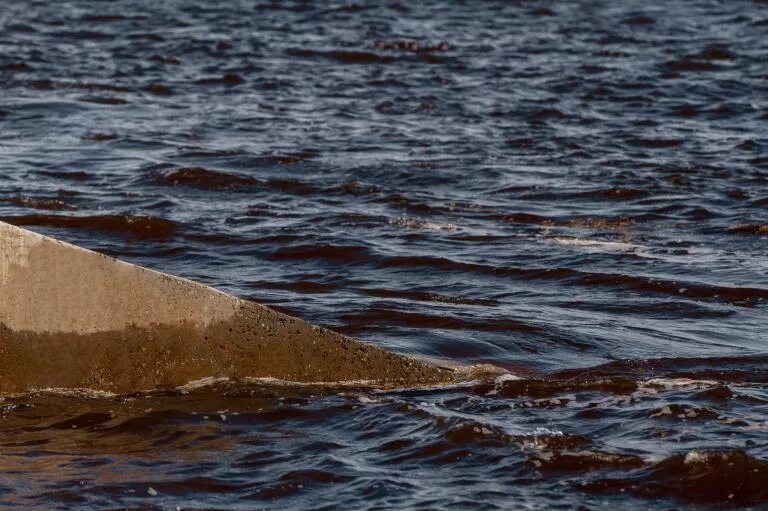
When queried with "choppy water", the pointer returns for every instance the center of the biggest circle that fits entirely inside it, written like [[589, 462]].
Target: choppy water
[[575, 191]]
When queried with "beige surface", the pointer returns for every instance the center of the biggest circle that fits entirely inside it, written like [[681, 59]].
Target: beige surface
[[70, 317], [51, 286]]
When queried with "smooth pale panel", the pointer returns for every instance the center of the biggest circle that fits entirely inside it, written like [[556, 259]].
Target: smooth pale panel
[[50, 286]]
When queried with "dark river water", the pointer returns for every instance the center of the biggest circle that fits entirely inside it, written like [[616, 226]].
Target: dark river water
[[574, 191]]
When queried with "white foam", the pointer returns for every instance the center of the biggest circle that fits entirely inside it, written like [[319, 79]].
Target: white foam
[[505, 377], [615, 246], [695, 457], [678, 383], [201, 383], [415, 223], [73, 392]]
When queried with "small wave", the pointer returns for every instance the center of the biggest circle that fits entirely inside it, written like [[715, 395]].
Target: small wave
[[52, 85], [667, 309], [655, 143], [199, 177], [537, 388], [165, 59], [110, 18], [342, 253], [99, 137], [409, 46], [680, 372], [368, 57], [580, 462], [354, 188], [199, 152], [346, 57], [42, 203], [381, 316], [601, 194], [301, 286], [402, 202], [684, 412], [68, 175], [639, 21], [104, 100], [544, 439], [592, 222], [542, 11], [293, 186], [722, 478], [22, 67], [290, 158], [426, 296], [133, 226], [546, 114], [227, 79], [740, 296], [158, 89], [691, 64], [715, 52]]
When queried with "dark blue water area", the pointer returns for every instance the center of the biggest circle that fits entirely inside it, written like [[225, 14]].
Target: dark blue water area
[[574, 191]]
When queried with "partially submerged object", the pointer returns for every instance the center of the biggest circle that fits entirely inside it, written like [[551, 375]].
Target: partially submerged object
[[73, 318]]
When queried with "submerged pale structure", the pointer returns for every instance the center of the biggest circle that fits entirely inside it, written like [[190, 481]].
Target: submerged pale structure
[[73, 318]]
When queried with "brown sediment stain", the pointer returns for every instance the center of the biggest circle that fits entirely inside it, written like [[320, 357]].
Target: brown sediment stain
[[255, 342]]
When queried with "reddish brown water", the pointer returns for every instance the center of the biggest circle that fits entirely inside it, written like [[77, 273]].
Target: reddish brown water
[[575, 191]]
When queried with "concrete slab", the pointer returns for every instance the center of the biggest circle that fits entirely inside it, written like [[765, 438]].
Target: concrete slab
[[73, 318]]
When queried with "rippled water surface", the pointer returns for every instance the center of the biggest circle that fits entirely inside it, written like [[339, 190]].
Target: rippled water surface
[[574, 191]]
